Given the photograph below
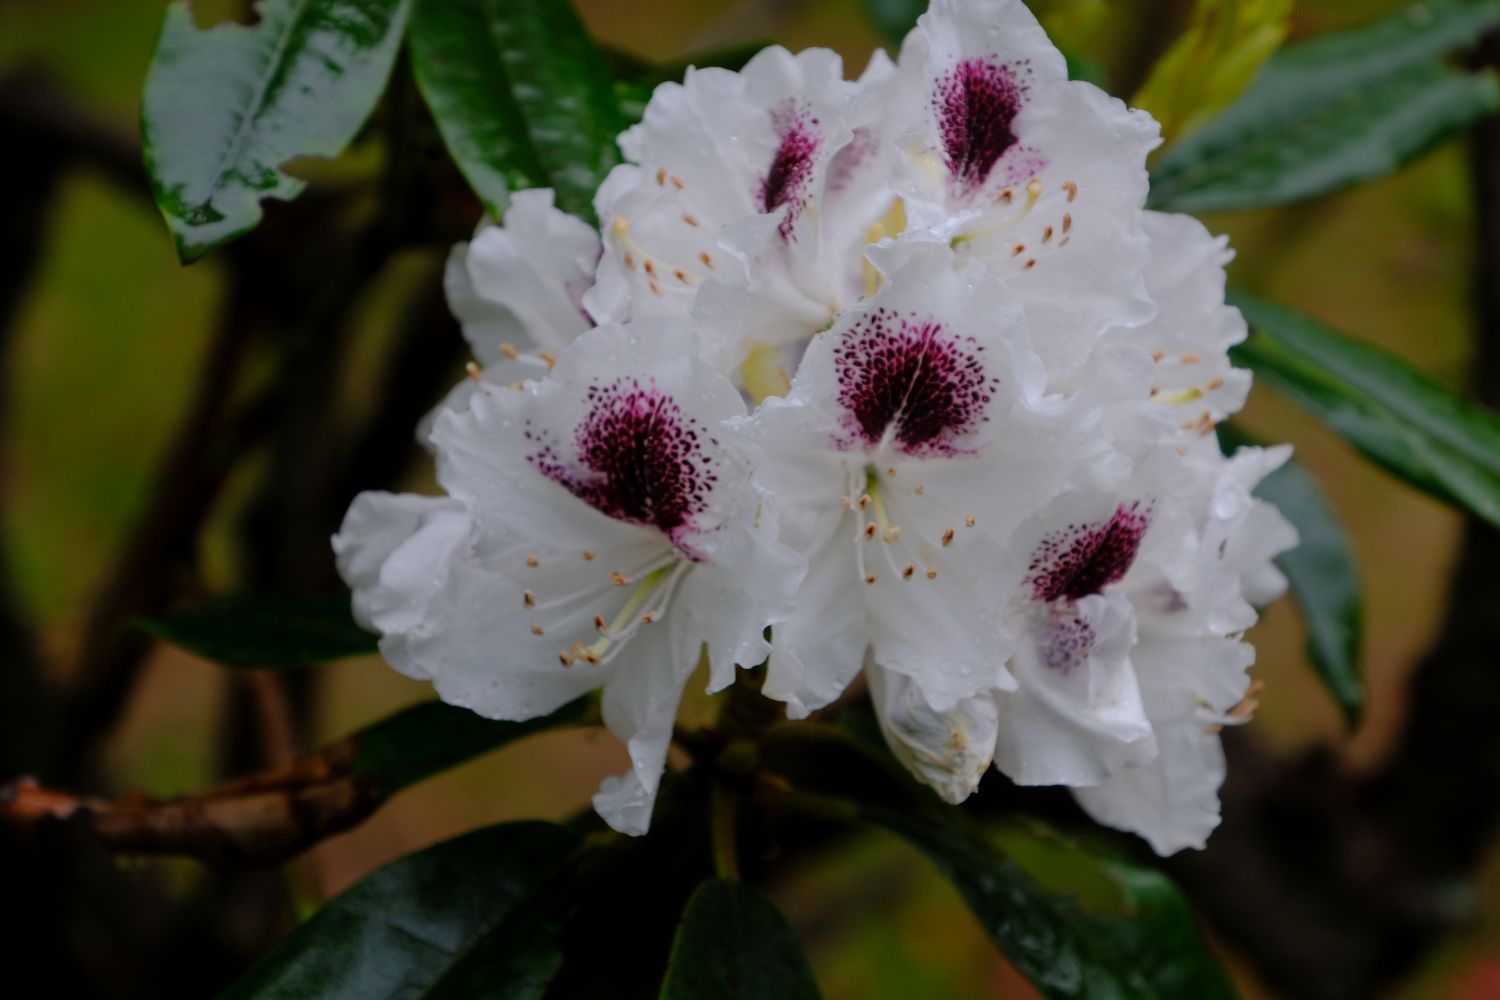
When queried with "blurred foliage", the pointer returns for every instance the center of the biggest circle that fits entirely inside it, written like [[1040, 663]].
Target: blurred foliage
[[1212, 61]]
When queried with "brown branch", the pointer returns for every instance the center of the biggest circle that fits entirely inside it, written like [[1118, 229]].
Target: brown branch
[[260, 819]]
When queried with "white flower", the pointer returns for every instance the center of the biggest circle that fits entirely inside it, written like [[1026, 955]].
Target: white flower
[[1039, 177], [990, 381], [948, 750], [913, 442], [754, 189], [598, 532], [1190, 659], [1173, 370], [517, 291]]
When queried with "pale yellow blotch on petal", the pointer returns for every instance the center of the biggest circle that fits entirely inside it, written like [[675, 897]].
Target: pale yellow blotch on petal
[[764, 373]]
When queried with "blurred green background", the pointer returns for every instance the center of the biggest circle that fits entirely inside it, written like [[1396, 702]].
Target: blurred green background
[[114, 329]]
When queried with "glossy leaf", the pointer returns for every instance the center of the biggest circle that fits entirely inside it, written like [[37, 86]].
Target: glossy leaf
[[432, 736], [1344, 108], [1212, 61], [456, 920], [265, 631], [521, 94], [733, 944], [1403, 420], [1137, 939], [1324, 578], [226, 108]]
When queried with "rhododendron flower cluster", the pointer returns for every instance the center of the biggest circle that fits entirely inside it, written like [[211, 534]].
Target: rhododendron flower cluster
[[892, 378]]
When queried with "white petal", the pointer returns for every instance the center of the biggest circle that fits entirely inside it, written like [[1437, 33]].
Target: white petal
[[819, 649], [392, 550], [1041, 178], [1173, 801], [949, 327], [751, 581], [1076, 716], [1003, 29], [725, 192], [640, 707], [522, 282], [1193, 329], [948, 750], [506, 373]]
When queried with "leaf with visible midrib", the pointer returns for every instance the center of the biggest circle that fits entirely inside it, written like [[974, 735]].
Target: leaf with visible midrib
[[1340, 109], [1147, 947], [521, 95], [459, 919], [733, 944], [1400, 418], [225, 108]]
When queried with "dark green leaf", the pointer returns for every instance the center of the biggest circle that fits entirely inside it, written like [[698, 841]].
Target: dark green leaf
[[433, 736], [1137, 940], [456, 920], [1405, 421], [265, 631], [733, 944], [521, 94], [1341, 109], [1324, 577], [225, 108]]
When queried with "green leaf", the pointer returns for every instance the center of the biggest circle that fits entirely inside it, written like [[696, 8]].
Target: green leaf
[[456, 920], [1324, 577], [733, 944], [521, 95], [1136, 941], [225, 108], [265, 631], [1401, 419], [432, 736], [1341, 109]]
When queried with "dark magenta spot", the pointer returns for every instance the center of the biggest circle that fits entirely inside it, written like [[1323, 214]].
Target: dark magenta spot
[[639, 458], [909, 379], [976, 103], [1082, 559], [791, 170]]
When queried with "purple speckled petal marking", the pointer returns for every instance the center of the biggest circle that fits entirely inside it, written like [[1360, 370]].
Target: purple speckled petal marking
[[639, 459], [787, 179], [1082, 559], [976, 103], [1067, 640], [906, 379], [847, 163]]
